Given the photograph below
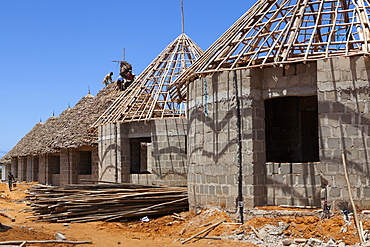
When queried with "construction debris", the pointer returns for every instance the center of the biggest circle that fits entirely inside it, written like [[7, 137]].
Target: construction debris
[[45, 242], [104, 202], [203, 231]]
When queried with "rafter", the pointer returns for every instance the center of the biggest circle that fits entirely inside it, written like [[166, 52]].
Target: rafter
[[280, 32], [148, 97]]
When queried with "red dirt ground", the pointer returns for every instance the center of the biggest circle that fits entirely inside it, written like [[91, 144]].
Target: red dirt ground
[[163, 231]]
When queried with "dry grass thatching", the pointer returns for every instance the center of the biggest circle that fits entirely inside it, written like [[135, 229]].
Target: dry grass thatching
[[73, 129], [69, 130], [22, 147]]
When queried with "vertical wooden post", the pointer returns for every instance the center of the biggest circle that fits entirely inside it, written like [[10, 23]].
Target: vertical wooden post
[[358, 227]]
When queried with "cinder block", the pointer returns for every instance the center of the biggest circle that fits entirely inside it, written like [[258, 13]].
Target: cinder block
[[225, 190], [351, 130], [344, 63], [334, 143], [285, 168], [334, 192], [366, 192], [297, 168], [338, 107], [323, 107]]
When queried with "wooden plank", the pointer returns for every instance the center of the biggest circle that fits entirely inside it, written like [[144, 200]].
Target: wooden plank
[[203, 231], [357, 223], [44, 242]]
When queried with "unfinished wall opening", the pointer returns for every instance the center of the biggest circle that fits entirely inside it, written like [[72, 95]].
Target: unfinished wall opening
[[85, 163], [139, 155], [291, 126], [55, 164]]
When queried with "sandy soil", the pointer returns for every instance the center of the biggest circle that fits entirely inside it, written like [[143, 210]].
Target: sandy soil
[[163, 231]]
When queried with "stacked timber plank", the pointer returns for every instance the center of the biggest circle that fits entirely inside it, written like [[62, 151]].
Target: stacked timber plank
[[104, 202]]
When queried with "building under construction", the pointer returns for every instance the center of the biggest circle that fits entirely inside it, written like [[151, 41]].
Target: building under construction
[[137, 135], [277, 113], [278, 104], [142, 135]]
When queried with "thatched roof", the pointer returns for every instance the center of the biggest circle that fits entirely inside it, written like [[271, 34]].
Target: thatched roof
[[34, 141], [5, 160], [148, 97], [69, 130], [73, 129], [20, 149], [281, 32]]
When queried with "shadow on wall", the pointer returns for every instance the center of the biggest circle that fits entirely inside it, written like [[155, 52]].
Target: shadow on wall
[[177, 166], [111, 147], [349, 120]]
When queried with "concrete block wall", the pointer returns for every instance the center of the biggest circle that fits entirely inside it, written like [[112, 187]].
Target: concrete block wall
[[14, 168], [166, 157], [212, 139], [95, 163], [343, 91], [32, 168], [65, 167], [69, 165], [110, 153], [213, 142], [43, 169], [168, 152], [293, 184], [22, 168]]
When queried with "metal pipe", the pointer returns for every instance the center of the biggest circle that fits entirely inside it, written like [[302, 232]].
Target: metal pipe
[[115, 152], [240, 154]]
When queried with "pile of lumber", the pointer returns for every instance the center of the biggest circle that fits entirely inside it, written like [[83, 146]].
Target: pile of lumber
[[104, 202]]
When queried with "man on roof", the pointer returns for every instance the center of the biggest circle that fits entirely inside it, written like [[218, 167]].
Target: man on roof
[[129, 78], [107, 79]]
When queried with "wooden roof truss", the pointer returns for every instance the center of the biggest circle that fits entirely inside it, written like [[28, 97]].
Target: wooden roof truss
[[148, 96], [280, 32]]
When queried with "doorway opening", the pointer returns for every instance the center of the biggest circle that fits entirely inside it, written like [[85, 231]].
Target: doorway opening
[[139, 155]]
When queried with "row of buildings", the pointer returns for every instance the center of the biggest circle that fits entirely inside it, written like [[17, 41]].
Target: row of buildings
[[263, 117]]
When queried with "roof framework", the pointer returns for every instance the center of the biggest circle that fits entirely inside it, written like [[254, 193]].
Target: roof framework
[[280, 32], [148, 96]]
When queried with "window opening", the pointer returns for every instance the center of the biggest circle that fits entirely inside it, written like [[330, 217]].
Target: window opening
[[55, 164], [85, 162], [292, 129]]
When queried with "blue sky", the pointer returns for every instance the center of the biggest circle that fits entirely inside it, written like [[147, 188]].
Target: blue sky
[[52, 51]]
